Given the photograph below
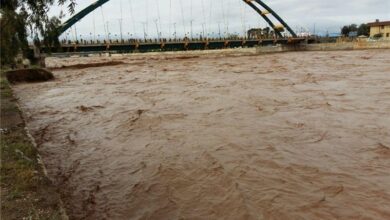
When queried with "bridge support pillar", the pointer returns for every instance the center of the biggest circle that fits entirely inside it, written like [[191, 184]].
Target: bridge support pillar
[[36, 57], [281, 48]]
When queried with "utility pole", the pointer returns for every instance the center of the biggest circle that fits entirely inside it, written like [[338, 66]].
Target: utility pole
[[158, 33], [120, 20], [94, 28], [75, 32], [219, 29], [143, 25], [120, 28], [314, 29], [108, 32], [203, 31], [191, 27], [174, 28], [132, 17], [227, 29], [170, 17]]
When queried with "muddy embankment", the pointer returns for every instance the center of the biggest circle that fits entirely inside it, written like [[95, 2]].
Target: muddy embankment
[[217, 136]]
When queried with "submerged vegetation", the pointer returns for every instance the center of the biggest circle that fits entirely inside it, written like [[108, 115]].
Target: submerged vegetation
[[29, 75]]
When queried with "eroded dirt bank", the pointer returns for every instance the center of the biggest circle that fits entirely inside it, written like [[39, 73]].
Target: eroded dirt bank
[[282, 136]]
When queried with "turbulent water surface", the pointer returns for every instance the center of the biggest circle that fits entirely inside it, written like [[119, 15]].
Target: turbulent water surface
[[217, 136]]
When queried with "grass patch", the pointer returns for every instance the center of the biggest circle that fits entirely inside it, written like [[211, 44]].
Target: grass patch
[[26, 193]]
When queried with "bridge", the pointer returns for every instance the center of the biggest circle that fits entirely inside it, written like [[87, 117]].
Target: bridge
[[282, 34]]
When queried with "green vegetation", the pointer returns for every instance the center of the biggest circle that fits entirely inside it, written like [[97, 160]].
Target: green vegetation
[[260, 33], [362, 29], [379, 35], [26, 193], [21, 19]]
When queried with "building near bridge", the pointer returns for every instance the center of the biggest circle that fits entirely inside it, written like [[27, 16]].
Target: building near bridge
[[380, 29]]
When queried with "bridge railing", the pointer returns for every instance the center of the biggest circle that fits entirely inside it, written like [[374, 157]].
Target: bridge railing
[[156, 45], [161, 40]]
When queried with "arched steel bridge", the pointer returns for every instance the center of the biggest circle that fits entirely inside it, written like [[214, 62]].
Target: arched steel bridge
[[145, 45], [259, 6]]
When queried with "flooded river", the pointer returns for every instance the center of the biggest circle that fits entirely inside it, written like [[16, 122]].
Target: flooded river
[[217, 136]]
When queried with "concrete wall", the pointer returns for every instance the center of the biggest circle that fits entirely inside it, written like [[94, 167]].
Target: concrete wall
[[349, 45], [360, 45]]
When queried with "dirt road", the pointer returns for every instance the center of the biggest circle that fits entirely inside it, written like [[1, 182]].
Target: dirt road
[[217, 136]]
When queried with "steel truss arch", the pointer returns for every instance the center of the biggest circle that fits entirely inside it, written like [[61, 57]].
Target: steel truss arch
[[263, 13]]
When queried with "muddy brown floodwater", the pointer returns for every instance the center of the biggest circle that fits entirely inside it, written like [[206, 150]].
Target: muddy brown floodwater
[[217, 136]]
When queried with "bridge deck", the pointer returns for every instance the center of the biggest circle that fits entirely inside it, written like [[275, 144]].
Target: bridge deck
[[132, 46]]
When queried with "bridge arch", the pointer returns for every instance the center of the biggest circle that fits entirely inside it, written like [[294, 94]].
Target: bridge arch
[[259, 6]]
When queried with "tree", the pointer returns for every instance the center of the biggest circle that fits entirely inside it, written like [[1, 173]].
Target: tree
[[13, 32], [353, 28], [23, 18], [266, 32], [50, 38], [363, 29], [254, 33], [345, 31]]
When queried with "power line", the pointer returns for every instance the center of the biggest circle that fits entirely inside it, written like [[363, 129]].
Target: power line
[[204, 14], [210, 16], [121, 20], [242, 19], [191, 21], [104, 22], [147, 16], [182, 16], [158, 16], [170, 18], [94, 27]]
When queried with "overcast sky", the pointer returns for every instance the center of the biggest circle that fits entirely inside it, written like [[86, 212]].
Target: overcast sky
[[214, 16]]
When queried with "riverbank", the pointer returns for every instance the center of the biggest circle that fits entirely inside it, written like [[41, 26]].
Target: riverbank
[[26, 193]]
